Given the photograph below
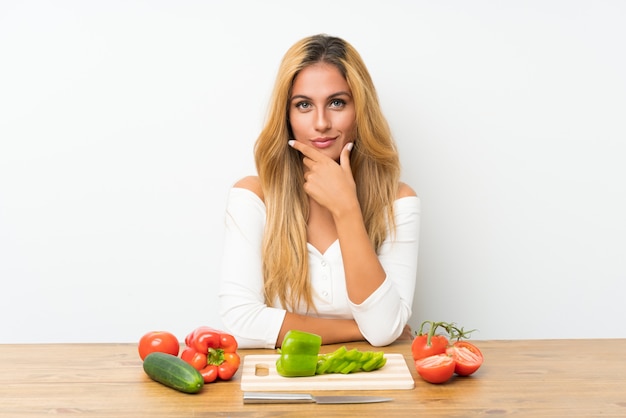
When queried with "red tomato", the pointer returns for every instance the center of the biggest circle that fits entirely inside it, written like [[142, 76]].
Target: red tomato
[[467, 357], [159, 341], [421, 349], [436, 369]]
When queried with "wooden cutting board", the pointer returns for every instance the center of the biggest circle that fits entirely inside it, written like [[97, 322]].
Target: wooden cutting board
[[393, 375]]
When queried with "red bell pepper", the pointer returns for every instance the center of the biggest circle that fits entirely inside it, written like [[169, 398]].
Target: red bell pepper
[[212, 352]]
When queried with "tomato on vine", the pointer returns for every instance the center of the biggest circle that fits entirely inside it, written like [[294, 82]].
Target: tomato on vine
[[425, 346], [467, 357], [436, 369], [438, 356], [429, 343]]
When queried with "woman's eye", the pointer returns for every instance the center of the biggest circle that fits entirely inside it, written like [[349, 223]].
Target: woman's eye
[[337, 103], [303, 105]]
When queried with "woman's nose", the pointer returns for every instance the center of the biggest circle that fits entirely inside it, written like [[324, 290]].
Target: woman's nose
[[322, 121]]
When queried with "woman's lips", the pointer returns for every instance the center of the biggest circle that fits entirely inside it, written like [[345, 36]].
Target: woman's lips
[[323, 142]]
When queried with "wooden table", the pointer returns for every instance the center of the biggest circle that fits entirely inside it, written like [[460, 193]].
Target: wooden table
[[528, 378]]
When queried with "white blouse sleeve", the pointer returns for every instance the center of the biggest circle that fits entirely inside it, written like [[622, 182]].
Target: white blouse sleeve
[[382, 317], [242, 308]]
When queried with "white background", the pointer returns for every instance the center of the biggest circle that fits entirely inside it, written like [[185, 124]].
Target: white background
[[124, 123]]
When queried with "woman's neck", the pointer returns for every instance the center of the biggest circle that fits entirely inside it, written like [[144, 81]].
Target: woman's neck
[[321, 231]]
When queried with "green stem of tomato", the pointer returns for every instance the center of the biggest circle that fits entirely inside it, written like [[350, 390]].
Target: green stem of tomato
[[431, 331], [454, 332]]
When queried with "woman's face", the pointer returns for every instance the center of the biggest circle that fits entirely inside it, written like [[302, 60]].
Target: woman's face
[[321, 109]]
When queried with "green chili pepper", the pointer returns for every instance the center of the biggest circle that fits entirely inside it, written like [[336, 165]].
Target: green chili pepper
[[298, 354]]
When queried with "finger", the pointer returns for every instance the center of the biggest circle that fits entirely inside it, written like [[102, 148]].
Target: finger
[[344, 157], [306, 150], [308, 163]]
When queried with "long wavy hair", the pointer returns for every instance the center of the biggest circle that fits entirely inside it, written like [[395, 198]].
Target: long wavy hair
[[374, 162]]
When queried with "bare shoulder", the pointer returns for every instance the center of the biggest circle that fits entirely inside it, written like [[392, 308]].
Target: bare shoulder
[[404, 190], [251, 183]]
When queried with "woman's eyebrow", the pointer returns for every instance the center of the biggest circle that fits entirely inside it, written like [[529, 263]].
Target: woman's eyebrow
[[339, 93], [299, 96]]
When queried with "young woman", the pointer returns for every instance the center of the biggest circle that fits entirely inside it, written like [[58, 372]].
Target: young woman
[[325, 238]]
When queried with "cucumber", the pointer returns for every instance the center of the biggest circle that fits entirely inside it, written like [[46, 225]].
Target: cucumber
[[173, 372]]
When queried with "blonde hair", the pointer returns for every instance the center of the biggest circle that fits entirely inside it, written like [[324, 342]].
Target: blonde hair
[[374, 161]]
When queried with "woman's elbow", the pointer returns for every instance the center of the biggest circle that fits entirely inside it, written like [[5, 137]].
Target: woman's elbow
[[383, 339], [383, 335]]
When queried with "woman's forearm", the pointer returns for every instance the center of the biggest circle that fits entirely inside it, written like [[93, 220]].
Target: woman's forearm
[[332, 331], [363, 270]]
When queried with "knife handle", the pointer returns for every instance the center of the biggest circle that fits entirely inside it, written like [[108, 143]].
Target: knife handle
[[277, 397]]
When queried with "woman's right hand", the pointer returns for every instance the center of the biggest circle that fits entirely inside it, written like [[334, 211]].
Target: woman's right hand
[[328, 183]]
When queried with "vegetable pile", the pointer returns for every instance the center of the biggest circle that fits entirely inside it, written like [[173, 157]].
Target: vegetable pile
[[299, 356], [209, 355], [438, 357]]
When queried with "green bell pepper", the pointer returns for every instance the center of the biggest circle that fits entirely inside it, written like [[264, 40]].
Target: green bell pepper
[[347, 361], [298, 354]]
